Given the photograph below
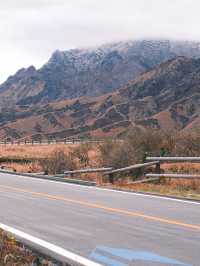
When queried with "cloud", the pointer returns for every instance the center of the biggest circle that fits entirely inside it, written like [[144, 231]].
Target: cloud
[[32, 29]]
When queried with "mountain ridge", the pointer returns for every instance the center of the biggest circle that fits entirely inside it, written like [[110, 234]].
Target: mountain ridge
[[165, 97], [92, 71]]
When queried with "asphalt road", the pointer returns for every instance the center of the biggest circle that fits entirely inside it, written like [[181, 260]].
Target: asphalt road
[[109, 227]]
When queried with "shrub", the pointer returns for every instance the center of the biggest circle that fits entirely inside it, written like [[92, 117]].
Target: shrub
[[187, 144], [81, 154], [132, 149], [58, 162]]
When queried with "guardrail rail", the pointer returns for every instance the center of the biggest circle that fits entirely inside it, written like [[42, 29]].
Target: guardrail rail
[[166, 159]]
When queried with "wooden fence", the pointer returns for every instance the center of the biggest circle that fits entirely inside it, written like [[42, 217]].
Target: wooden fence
[[50, 141]]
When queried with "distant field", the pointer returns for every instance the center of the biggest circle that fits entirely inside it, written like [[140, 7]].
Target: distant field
[[32, 151], [35, 152]]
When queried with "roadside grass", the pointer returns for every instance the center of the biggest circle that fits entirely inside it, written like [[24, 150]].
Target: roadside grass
[[169, 187], [181, 188], [14, 253], [33, 167], [11, 253]]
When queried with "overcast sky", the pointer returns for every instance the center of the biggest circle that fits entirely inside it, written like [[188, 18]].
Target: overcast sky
[[31, 30]]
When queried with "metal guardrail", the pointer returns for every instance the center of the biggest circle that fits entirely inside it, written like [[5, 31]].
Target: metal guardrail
[[165, 159], [89, 170], [144, 180], [132, 167], [59, 178], [109, 171], [176, 176], [174, 159], [129, 168]]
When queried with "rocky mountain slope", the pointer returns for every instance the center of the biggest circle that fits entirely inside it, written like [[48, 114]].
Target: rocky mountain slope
[[167, 97], [90, 72]]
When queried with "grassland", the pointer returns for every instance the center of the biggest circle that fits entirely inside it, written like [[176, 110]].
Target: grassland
[[28, 152]]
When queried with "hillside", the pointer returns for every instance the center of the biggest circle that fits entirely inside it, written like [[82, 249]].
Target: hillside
[[167, 97], [90, 72]]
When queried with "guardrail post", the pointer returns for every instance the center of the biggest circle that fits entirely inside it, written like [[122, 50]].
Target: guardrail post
[[158, 170], [145, 157], [111, 178]]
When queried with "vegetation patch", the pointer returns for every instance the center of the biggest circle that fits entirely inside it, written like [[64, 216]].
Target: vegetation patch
[[14, 253]]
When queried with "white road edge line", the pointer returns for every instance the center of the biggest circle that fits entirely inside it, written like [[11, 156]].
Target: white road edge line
[[111, 190], [51, 247]]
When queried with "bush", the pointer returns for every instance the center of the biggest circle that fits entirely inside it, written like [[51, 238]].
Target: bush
[[58, 162], [81, 154], [139, 143], [187, 144], [132, 149], [149, 141]]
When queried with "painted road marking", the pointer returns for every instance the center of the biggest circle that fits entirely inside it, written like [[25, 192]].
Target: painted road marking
[[51, 247], [108, 190], [123, 257], [106, 260], [105, 208]]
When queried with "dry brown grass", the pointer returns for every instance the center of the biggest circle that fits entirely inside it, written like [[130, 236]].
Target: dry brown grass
[[23, 168], [172, 187], [178, 188], [181, 167], [32, 151], [13, 254]]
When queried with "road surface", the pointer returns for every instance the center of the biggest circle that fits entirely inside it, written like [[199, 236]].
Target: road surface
[[109, 227]]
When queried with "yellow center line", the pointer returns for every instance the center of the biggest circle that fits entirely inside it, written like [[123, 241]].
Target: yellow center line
[[105, 208]]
